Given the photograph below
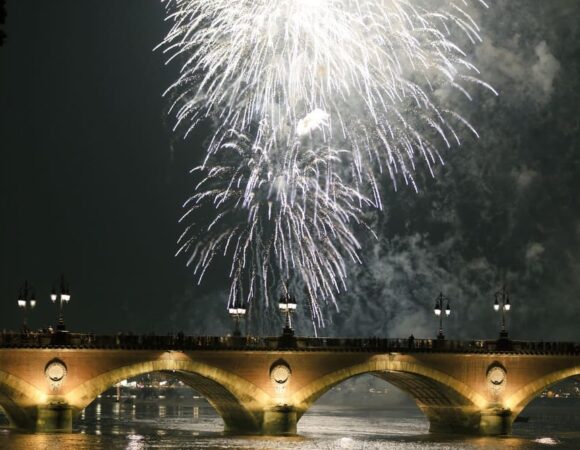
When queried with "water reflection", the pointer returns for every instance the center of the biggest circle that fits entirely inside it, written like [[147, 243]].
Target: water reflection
[[136, 442], [137, 425], [22, 441]]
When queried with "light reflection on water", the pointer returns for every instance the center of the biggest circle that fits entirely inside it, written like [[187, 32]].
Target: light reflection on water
[[139, 426]]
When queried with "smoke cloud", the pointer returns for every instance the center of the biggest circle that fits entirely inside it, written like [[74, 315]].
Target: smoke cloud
[[503, 209]]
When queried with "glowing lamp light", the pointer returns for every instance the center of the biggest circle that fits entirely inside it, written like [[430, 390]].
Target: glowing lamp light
[[503, 306], [437, 309], [287, 304], [237, 311], [59, 298], [26, 301], [440, 313]]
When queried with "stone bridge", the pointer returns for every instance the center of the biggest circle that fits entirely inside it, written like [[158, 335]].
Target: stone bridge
[[265, 385]]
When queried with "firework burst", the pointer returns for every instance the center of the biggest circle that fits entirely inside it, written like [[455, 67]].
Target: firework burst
[[312, 101]]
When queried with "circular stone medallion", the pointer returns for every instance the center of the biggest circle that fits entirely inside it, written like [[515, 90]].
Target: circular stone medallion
[[280, 374], [496, 377], [55, 372]]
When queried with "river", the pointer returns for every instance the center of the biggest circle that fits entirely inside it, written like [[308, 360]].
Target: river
[[136, 425]]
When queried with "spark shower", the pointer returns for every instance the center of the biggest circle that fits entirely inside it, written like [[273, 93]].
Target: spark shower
[[313, 106]]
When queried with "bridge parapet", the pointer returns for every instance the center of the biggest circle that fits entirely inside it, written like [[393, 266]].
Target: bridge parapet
[[244, 343]]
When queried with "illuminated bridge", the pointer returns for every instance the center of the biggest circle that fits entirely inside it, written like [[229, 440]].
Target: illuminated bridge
[[265, 385]]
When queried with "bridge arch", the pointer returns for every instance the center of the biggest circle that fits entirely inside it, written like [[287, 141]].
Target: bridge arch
[[518, 401], [239, 402], [19, 399], [448, 403]]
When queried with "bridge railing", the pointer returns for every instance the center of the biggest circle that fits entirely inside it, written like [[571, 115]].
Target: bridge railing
[[182, 342]]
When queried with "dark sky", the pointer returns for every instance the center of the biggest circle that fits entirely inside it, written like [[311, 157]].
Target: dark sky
[[92, 180], [90, 186]]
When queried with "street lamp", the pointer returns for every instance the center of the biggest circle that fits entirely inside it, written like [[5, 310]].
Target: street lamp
[[440, 312], [237, 313], [62, 297], [287, 305], [502, 302], [26, 301]]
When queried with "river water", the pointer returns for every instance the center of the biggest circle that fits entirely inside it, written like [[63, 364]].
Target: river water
[[134, 425]]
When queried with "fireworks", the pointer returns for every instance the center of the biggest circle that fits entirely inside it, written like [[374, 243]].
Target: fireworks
[[292, 220], [312, 101]]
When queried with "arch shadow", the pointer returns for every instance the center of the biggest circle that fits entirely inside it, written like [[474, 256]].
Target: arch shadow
[[518, 401], [239, 402], [449, 404], [18, 400]]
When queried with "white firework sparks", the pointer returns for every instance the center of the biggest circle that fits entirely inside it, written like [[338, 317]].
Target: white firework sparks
[[291, 218], [287, 83]]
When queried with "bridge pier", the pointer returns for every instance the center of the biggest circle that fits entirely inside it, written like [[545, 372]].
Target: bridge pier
[[280, 421], [277, 421], [496, 422], [453, 420], [54, 418], [44, 418]]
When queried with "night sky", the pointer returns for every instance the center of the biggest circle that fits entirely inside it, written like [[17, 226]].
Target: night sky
[[92, 182]]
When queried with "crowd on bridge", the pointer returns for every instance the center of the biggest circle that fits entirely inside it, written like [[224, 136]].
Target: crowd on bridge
[[179, 341]]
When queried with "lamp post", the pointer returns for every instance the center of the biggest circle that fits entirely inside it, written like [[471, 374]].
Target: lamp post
[[287, 305], [440, 312], [26, 301], [62, 297], [502, 302], [237, 313]]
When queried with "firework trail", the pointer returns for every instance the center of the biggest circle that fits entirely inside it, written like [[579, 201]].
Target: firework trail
[[293, 220], [312, 101]]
